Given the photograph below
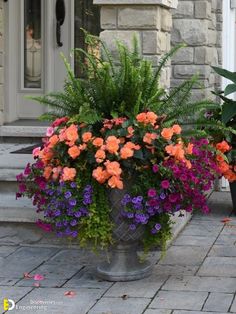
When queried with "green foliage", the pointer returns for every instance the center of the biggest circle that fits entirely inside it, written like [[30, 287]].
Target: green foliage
[[227, 114]]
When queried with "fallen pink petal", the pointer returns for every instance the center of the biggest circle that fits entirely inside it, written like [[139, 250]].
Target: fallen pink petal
[[38, 277], [70, 294], [27, 276]]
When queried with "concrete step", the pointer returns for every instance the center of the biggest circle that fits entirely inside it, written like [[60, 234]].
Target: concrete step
[[20, 210], [22, 131]]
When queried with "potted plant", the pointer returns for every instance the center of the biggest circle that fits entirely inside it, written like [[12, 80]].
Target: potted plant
[[115, 164], [227, 115]]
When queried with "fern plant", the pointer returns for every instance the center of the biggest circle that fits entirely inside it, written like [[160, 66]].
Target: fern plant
[[124, 86]]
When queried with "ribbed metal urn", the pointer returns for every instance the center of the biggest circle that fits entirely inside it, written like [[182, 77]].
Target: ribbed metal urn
[[124, 263]]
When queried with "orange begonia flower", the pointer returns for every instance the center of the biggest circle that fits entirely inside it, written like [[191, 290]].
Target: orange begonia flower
[[68, 174], [151, 117], [219, 158], [71, 133], [74, 151], [126, 152], [147, 117], [115, 182], [98, 142], [176, 129], [223, 166], [56, 172], [53, 140], [223, 147], [112, 144], [113, 168], [100, 155], [149, 137], [86, 137], [100, 175], [167, 133], [130, 130], [189, 149], [47, 172]]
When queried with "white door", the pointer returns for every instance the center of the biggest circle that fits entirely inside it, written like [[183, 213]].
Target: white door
[[33, 43]]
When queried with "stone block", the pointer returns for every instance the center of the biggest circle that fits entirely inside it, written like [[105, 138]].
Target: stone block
[[192, 32], [1, 97], [212, 37], [177, 270], [156, 311], [196, 240], [145, 288], [202, 9], [185, 71], [179, 300], [119, 306], [108, 17], [166, 20], [55, 301], [212, 22], [139, 17], [1, 76], [219, 302], [59, 271], [184, 256], [110, 38], [233, 307], [196, 283], [206, 55], [183, 56], [151, 42], [1, 59], [185, 9], [218, 266]]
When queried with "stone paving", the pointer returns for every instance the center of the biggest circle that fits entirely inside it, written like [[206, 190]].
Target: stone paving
[[197, 275]]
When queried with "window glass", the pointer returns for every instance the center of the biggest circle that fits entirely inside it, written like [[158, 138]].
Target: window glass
[[32, 44]]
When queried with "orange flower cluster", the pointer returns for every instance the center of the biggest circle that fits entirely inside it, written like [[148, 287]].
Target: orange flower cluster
[[108, 151], [228, 171], [178, 151], [147, 118], [167, 133]]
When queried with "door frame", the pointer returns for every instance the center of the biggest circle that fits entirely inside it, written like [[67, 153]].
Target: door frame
[[54, 70]]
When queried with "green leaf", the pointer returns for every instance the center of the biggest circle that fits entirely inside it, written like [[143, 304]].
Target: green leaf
[[225, 73], [139, 154], [231, 88], [228, 111]]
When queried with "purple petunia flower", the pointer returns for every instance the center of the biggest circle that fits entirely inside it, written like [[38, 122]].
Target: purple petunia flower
[[72, 202], [157, 227], [67, 194]]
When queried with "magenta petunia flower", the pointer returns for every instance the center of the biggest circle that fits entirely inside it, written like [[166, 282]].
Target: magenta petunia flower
[[155, 168], [165, 184], [152, 193]]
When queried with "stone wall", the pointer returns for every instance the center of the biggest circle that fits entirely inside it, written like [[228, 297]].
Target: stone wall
[[198, 23], [1, 61], [149, 21]]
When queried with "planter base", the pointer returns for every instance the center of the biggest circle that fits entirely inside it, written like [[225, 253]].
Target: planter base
[[124, 265]]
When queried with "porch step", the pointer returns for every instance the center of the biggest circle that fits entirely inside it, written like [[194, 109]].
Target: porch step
[[12, 210], [22, 131]]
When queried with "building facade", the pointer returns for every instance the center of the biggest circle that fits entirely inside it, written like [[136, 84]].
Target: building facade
[[34, 33]]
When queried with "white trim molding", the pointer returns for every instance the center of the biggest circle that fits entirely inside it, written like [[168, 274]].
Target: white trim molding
[[166, 3]]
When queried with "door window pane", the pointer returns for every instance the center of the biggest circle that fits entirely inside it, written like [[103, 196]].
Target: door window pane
[[32, 44], [87, 16]]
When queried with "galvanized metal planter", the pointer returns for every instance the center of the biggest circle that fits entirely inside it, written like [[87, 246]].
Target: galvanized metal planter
[[233, 194], [124, 263]]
